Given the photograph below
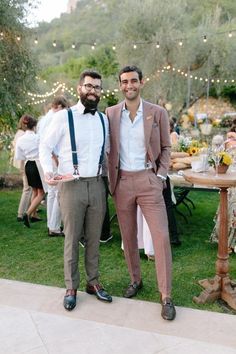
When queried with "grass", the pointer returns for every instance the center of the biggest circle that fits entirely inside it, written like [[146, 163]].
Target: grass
[[30, 255]]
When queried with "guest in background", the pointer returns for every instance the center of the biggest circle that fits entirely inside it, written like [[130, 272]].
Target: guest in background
[[174, 136], [53, 209], [19, 164], [27, 149], [106, 234]]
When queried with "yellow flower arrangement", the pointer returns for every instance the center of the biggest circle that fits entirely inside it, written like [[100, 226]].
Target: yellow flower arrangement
[[188, 145], [225, 159], [193, 150], [195, 147]]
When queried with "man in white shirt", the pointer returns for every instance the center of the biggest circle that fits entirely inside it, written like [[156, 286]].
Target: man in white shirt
[[138, 164], [82, 200], [53, 209]]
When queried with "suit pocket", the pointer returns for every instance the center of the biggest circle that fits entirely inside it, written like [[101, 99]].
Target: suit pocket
[[155, 182]]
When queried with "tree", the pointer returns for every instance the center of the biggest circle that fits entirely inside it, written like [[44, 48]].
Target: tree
[[146, 23], [151, 22], [17, 65]]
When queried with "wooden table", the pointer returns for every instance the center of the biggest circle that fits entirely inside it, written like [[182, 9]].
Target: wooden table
[[220, 286]]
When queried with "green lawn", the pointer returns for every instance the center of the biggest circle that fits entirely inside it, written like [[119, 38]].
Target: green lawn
[[30, 255]]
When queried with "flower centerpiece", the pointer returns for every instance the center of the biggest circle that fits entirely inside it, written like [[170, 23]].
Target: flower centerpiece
[[184, 152], [190, 146], [221, 159]]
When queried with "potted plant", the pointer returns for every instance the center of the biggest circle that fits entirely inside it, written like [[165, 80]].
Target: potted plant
[[220, 161]]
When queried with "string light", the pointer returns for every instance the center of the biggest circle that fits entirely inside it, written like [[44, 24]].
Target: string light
[[135, 45], [36, 40], [18, 38], [165, 69]]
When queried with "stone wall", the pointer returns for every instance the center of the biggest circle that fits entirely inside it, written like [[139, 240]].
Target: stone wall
[[216, 108]]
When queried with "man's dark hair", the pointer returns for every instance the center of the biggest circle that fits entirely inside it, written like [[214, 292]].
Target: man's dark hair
[[60, 101], [91, 73], [129, 69]]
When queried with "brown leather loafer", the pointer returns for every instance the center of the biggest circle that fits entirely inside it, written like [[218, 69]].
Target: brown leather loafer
[[133, 289], [70, 299], [100, 293], [168, 310]]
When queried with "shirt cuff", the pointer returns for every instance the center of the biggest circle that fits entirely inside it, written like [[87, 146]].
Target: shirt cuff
[[161, 177]]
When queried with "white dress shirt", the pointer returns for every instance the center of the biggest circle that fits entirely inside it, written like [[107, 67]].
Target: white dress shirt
[[88, 138], [43, 123], [27, 146], [132, 141]]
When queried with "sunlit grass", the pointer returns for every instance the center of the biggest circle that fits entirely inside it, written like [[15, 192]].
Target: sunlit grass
[[30, 255]]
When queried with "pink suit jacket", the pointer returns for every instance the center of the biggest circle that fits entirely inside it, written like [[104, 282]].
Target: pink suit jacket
[[157, 139]]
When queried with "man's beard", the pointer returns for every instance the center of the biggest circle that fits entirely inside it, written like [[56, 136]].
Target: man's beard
[[91, 104]]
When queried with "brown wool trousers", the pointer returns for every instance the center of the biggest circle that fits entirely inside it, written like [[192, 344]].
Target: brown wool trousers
[[82, 204], [145, 189]]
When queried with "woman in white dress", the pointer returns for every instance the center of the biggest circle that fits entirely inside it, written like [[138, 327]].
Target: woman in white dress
[[27, 149], [19, 164]]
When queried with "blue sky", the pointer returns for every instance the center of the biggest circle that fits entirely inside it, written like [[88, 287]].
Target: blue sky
[[47, 10]]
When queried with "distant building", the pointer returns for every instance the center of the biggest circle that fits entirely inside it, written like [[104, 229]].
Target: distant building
[[71, 5]]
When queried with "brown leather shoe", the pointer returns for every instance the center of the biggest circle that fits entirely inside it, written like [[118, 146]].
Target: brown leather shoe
[[168, 310], [133, 289], [100, 293], [70, 299]]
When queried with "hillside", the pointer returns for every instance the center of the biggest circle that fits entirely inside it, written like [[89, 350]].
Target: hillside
[[92, 22]]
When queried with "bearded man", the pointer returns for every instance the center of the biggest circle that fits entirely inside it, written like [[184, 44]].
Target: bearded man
[[80, 137]]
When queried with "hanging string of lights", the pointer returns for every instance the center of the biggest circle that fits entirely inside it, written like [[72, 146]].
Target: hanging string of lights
[[111, 92], [180, 41], [63, 88]]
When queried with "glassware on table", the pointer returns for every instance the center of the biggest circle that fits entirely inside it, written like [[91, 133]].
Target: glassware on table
[[216, 156]]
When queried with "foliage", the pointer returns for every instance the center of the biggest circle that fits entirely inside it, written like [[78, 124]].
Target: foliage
[[226, 122], [230, 92], [17, 65], [108, 22]]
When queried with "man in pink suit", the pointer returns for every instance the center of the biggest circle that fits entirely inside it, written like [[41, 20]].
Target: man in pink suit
[[138, 162]]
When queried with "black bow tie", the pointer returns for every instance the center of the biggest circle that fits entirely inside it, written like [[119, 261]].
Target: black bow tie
[[90, 110]]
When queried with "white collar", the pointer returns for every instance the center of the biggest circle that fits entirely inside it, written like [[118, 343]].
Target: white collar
[[140, 108]]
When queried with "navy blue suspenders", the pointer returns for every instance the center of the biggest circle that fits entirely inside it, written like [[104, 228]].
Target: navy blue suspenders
[[73, 143]]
